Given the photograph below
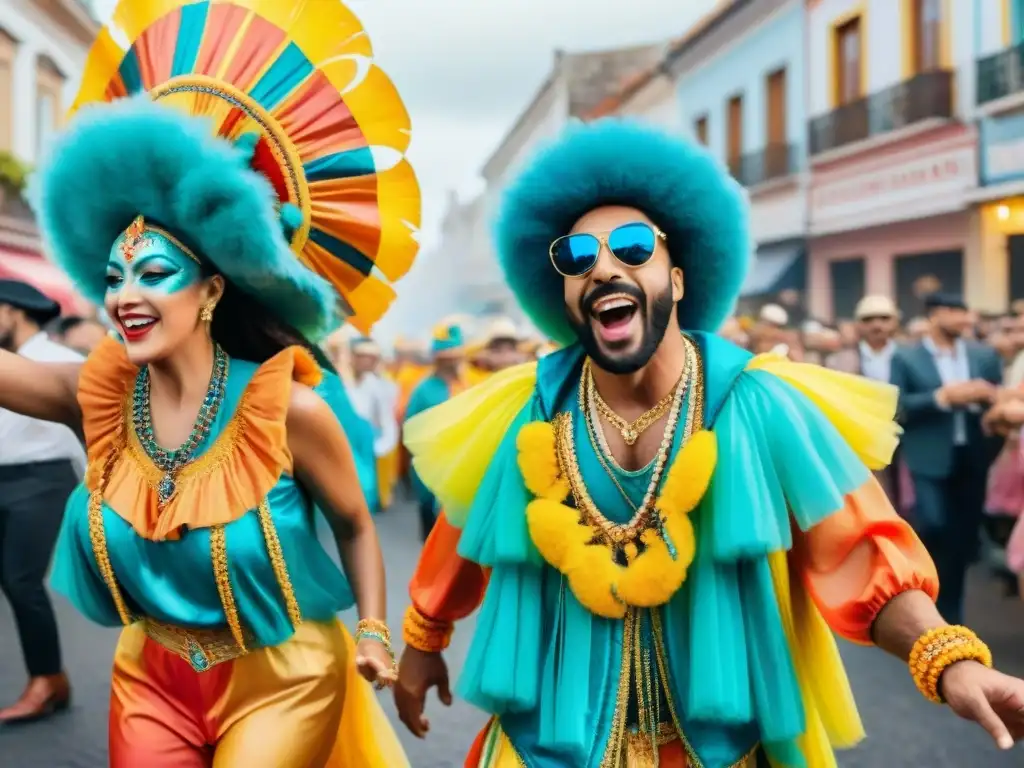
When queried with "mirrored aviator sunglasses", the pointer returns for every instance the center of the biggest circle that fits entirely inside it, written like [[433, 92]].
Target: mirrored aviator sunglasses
[[632, 244]]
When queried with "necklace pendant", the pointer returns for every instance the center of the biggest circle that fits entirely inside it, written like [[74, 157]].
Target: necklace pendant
[[630, 435], [166, 488]]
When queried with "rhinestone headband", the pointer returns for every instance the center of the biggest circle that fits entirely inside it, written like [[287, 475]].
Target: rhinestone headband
[[135, 238]]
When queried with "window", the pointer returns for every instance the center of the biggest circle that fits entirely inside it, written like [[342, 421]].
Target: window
[[700, 129], [49, 92], [848, 61], [734, 137], [925, 35], [8, 49], [776, 117]]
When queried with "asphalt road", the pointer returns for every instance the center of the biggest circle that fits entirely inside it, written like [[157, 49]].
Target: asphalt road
[[903, 730]]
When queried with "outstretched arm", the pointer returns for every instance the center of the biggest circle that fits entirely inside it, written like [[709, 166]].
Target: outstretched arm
[[873, 581], [41, 390], [323, 462]]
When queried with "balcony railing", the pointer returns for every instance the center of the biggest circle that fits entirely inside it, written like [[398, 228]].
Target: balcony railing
[[1000, 74], [776, 161], [924, 96]]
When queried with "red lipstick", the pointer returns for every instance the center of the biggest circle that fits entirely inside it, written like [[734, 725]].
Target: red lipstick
[[136, 332]]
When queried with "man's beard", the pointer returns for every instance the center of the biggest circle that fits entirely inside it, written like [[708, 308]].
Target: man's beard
[[655, 318], [7, 341]]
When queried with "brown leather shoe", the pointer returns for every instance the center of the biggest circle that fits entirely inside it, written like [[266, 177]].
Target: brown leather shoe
[[43, 697]]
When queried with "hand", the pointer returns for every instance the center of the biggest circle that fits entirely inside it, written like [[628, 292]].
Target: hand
[[418, 672], [993, 700], [966, 392], [375, 663], [1004, 417], [981, 391]]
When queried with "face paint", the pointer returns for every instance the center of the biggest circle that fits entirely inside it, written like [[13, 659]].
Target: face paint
[[155, 265]]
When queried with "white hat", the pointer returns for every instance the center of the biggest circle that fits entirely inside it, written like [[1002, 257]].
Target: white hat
[[365, 347], [501, 328], [774, 314], [875, 306]]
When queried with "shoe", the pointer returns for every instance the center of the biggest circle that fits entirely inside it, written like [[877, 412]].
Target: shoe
[[43, 697]]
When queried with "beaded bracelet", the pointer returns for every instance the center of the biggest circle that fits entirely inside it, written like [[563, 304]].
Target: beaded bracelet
[[425, 634], [937, 649]]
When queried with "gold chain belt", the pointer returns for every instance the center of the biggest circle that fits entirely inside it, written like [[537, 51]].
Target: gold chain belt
[[201, 648]]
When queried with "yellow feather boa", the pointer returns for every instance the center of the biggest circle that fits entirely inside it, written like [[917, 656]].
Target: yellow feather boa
[[656, 561]]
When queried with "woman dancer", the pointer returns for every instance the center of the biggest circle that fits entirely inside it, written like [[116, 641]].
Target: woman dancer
[[221, 256]]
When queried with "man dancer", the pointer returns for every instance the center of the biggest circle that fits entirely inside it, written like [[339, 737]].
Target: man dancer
[[946, 383], [446, 380], [40, 463], [375, 399], [635, 612]]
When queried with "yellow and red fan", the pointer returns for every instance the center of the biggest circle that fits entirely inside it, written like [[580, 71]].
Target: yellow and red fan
[[298, 75]]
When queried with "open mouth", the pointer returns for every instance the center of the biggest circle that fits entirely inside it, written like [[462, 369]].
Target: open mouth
[[614, 316], [134, 327]]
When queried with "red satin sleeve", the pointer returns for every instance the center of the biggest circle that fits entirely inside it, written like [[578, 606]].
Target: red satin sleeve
[[857, 560], [446, 587]]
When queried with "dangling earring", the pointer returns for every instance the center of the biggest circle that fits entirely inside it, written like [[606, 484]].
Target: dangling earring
[[206, 313]]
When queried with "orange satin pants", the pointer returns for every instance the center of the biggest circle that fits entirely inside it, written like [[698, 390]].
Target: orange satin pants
[[297, 705]]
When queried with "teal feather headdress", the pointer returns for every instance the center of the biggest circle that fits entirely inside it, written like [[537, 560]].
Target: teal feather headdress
[[683, 190]]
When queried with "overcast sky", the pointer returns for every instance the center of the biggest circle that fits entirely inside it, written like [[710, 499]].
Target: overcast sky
[[466, 68]]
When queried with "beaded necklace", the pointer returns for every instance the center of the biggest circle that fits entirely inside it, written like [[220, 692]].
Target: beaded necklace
[[172, 462]]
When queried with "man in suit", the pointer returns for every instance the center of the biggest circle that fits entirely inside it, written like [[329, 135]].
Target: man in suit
[[946, 383]]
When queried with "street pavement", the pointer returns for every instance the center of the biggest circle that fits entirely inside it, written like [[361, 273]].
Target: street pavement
[[903, 730]]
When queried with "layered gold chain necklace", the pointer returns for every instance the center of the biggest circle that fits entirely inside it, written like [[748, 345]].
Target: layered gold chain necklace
[[631, 431]]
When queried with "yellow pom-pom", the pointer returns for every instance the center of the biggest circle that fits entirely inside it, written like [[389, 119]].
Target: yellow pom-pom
[[592, 578], [679, 531], [690, 474], [554, 529], [538, 461], [652, 578]]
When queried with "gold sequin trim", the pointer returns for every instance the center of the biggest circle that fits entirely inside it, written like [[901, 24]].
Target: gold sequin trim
[[278, 563], [98, 539], [614, 753], [219, 558]]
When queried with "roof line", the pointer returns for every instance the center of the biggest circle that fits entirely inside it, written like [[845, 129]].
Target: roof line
[[703, 26]]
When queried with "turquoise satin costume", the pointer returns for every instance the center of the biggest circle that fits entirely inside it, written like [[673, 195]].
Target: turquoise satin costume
[[533, 667], [173, 581]]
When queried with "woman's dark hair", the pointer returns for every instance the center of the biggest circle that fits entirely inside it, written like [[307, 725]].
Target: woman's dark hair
[[247, 330]]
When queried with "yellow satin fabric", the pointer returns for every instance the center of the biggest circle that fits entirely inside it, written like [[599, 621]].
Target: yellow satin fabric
[[298, 705]]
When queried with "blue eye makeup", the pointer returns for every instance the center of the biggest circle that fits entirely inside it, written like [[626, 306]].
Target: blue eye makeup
[[154, 264]]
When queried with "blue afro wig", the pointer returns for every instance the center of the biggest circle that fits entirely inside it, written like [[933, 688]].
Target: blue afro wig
[[117, 161], [678, 185]]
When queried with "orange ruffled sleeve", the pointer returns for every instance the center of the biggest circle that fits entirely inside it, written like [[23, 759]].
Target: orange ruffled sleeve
[[445, 587], [232, 477], [859, 559]]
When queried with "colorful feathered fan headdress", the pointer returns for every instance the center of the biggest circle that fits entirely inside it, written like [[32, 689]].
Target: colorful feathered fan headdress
[[288, 86]]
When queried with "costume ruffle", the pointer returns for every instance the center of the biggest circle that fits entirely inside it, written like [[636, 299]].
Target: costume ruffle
[[229, 479], [453, 444]]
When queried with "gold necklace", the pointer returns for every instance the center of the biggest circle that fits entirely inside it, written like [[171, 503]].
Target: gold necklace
[[587, 392], [631, 431]]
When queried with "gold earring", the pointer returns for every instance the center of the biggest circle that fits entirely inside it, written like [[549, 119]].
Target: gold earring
[[206, 313]]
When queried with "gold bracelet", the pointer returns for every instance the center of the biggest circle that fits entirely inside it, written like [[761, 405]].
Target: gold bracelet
[[938, 649], [426, 634], [374, 627]]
